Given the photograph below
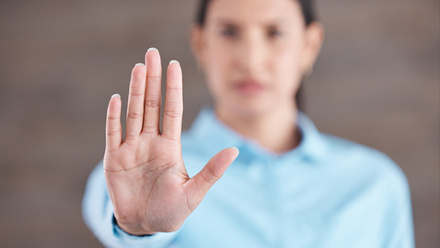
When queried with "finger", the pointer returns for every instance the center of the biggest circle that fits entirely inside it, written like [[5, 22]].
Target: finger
[[113, 137], [199, 185], [173, 110], [153, 92], [135, 108]]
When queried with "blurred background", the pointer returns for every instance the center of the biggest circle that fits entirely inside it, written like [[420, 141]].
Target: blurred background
[[376, 82]]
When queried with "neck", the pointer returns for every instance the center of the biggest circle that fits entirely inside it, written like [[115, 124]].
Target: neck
[[276, 130]]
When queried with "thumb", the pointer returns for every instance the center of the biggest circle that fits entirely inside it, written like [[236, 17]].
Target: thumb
[[199, 185]]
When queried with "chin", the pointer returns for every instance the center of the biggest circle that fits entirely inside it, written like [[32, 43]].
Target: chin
[[250, 108]]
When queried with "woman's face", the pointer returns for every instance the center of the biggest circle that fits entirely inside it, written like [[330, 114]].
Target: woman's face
[[253, 53]]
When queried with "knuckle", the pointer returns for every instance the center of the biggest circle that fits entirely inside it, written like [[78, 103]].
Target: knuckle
[[173, 113], [166, 136], [112, 118], [109, 151], [136, 92], [149, 129], [173, 88], [206, 178], [114, 133], [150, 103], [131, 137], [209, 175], [134, 115], [154, 76], [212, 174]]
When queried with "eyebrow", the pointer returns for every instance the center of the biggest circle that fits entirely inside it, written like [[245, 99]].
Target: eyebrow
[[229, 22]]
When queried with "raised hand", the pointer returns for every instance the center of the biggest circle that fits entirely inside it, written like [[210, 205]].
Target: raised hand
[[145, 174]]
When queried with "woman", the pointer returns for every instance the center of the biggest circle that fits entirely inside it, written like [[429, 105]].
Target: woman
[[291, 186]]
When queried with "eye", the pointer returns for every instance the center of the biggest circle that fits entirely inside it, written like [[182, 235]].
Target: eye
[[274, 32], [229, 32]]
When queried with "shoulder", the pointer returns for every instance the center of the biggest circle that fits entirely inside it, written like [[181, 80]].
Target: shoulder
[[369, 184], [365, 163], [350, 152]]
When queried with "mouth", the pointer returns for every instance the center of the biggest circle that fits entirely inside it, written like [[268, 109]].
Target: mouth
[[249, 87]]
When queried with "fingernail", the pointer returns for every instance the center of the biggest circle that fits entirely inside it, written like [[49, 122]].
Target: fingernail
[[152, 49], [116, 95], [174, 62], [138, 64], [236, 149]]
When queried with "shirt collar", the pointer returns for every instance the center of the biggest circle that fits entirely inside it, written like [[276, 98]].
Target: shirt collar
[[214, 136]]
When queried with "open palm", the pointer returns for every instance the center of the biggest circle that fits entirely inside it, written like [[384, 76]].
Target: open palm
[[145, 174]]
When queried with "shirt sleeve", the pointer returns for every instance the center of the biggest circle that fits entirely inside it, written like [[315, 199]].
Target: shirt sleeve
[[399, 221], [98, 214]]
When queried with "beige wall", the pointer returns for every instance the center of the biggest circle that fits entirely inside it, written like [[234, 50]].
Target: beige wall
[[376, 82]]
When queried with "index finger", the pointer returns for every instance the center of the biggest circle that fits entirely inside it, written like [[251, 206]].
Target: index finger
[[113, 136]]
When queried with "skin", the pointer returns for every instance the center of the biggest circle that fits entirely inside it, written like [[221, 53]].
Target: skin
[[265, 42], [253, 53]]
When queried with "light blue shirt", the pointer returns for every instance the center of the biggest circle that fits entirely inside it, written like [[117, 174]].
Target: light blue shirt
[[327, 192]]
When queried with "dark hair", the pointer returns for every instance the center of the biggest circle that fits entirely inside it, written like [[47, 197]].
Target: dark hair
[[307, 7], [308, 11]]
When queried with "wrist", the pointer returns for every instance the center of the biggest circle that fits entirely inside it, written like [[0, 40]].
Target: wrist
[[130, 230]]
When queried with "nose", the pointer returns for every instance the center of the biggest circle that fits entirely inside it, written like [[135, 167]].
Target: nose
[[251, 54]]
